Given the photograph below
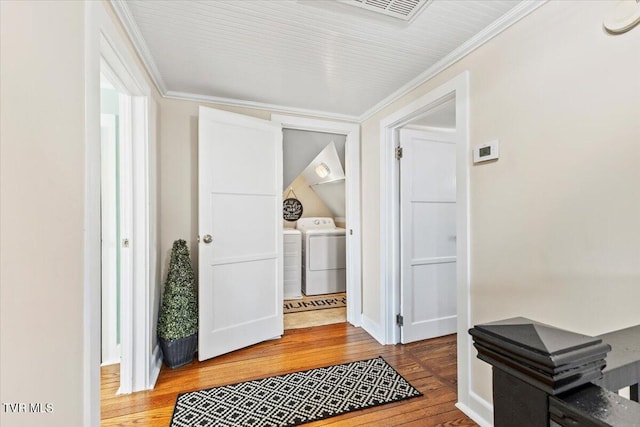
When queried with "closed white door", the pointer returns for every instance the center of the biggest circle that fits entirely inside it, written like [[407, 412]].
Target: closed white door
[[428, 235], [240, 228]]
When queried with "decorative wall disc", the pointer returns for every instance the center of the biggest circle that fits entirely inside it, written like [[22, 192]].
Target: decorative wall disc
[[291, 209]]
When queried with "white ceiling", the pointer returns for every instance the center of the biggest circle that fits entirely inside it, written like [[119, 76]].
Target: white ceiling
[[317, 56]]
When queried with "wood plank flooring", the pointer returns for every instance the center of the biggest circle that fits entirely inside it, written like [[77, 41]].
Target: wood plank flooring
[[307, 319], [429, 365]]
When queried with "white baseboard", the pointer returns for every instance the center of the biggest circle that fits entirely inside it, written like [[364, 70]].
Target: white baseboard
[[110, 362], [156, 365], [355, 320], [112, 357], [373, 329], [478, 409]]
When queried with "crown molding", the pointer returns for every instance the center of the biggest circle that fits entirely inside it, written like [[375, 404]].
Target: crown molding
[[514, 15], [499, 25], [184, 96], [130, 26]]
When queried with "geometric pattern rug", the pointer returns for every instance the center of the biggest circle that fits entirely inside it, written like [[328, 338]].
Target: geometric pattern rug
[[296, 398], [315, 302]]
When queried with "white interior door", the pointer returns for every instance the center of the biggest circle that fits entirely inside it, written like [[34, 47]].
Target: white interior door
[[109, 238], [428, 235], [240, 228]]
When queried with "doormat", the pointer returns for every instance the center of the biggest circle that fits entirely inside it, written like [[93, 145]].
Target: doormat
[[296, 398], [315, 302]]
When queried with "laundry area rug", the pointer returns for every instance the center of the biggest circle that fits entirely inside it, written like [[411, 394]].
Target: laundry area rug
[[296, 398], [315, 302]]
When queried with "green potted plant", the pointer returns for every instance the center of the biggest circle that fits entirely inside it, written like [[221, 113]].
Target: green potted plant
[[178, 318]]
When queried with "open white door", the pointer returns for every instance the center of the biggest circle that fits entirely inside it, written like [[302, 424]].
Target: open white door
[[240, 228], [428, 235]]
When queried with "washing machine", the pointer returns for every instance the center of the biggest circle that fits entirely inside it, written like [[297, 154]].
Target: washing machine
[[324, 258]]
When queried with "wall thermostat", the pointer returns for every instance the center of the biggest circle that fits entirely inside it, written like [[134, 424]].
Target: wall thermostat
[[488, 151]]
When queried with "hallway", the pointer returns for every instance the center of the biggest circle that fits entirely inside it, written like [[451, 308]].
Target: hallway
[[428, 365]]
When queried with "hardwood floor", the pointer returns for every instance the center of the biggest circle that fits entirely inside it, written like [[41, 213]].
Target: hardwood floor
[[429, 365], [307, 319]]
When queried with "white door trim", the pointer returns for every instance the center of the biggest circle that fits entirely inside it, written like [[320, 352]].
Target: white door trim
[[352, 196], [104, 44], [458, 87]]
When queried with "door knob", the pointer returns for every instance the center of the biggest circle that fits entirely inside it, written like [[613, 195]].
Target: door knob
[[207, 238]]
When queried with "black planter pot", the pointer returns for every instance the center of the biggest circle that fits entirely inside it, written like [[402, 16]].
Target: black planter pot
[[178, 352]]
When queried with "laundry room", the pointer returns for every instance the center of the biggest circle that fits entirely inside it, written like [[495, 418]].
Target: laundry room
[[314, 228]]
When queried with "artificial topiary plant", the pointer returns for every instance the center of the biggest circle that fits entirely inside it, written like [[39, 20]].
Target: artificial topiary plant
[[178, 319]]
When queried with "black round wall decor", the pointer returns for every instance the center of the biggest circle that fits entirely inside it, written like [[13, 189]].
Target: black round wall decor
[[291, 209]]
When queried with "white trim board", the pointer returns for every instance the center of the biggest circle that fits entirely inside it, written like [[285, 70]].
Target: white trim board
[[352, 197], [373, 328], [155, 366], [478, 410], [514, 15], [457, 88]]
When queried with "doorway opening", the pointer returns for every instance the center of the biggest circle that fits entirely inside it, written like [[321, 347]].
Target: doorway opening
[[427, 192], [111, 219], [116, 215], [321, 169], [457, 90], [315, 229], [123, 193]]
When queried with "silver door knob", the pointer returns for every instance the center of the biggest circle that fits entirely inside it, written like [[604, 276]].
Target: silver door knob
[[207, 238]]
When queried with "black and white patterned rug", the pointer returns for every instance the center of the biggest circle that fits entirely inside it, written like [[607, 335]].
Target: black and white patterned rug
[[296, 398]]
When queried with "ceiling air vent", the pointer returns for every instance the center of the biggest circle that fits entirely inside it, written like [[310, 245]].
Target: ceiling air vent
[[401, 9]]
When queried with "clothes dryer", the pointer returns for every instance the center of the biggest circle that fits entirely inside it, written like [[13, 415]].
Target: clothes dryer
[[323, 256]]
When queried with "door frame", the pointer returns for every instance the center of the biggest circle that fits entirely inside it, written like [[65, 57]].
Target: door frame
[[390, 267], [352, 197], [135, 315], [104, 45]]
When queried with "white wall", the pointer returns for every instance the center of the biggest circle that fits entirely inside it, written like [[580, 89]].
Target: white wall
[[554, 223], [41, 210]]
